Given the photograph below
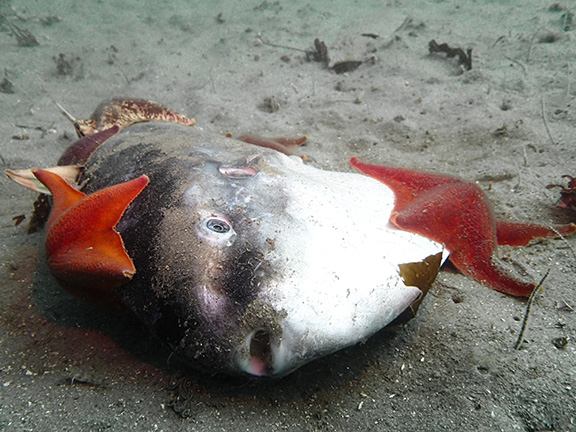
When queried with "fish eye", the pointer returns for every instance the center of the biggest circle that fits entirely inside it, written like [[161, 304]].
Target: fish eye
[[215, 229], [218, 226]]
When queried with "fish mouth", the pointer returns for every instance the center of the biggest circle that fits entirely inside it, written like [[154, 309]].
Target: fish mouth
[[261, 355]]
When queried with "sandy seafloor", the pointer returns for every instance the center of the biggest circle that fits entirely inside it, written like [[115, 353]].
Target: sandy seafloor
[[67, 367]]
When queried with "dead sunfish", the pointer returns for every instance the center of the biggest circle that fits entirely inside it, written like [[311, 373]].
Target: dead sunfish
[[243, 259]]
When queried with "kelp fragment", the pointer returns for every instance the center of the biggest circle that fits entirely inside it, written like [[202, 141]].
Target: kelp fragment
[[464, 58], [319, 53], [346, 66], [567, 193]]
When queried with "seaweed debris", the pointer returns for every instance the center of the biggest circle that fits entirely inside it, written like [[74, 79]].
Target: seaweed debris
[[464, 58], [68, 66], [319, 53], [42, 207], [23, 37], [6, 85], [346, 66], [567, 193]]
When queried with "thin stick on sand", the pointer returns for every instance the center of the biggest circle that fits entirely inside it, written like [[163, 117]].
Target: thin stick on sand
[[528, 307]]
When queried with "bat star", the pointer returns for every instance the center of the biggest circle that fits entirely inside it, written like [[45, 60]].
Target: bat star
[[458, 214]]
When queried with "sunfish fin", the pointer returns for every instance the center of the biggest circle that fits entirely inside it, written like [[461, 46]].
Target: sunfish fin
[[85, 253], [79, 152], [283, 145], [26, 178]]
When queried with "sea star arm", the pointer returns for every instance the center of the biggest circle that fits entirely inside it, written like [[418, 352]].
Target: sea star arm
[[520, 233], [85, 253]]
